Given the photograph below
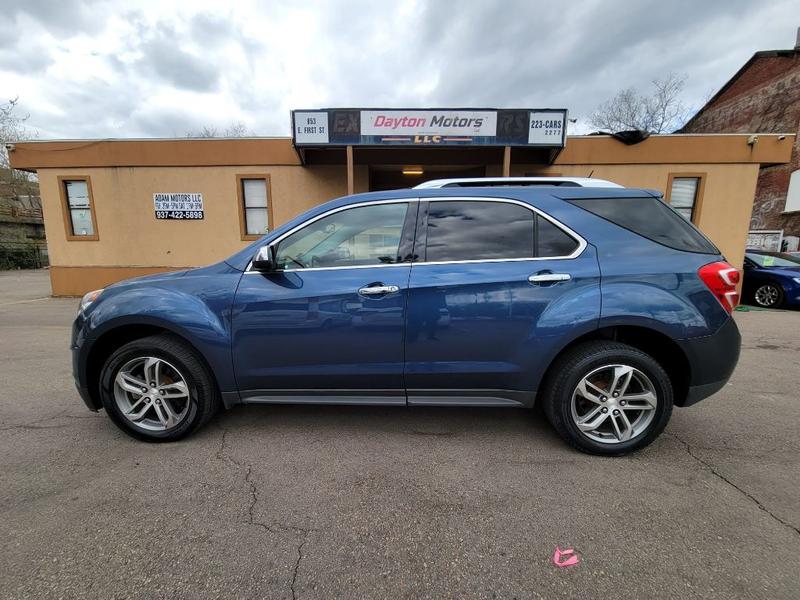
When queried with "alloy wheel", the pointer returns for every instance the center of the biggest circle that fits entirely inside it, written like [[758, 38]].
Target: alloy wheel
[[767, 295], [151, 393], [614, 404]]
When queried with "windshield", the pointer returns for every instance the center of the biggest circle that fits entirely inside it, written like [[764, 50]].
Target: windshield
[[773, 259]]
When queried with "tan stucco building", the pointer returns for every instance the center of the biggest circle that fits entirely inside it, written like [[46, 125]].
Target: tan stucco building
[[118, 234]]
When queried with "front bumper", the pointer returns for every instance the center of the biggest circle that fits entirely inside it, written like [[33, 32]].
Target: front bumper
[[712, 360], [792, 295], [79, 350]]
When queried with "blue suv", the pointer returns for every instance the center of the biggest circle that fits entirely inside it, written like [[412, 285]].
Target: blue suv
[[601, 304]]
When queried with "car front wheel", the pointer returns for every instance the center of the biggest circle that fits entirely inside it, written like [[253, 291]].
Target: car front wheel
[[158, 389], [607, 398]]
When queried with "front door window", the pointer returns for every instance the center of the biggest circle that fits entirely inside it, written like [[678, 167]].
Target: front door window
[[361, 236]]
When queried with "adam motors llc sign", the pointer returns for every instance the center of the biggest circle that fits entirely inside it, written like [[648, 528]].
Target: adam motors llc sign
[[484, 127]]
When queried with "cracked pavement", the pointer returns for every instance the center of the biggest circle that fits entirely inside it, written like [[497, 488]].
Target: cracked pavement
[[331, 502]]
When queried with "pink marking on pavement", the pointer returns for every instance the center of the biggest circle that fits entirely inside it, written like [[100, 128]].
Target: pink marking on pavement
[[568, 555]]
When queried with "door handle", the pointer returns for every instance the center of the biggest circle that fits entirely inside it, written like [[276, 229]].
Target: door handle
[[378, 290], [549, 278]]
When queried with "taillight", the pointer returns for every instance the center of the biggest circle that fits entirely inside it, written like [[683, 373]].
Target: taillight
[[722, 279]]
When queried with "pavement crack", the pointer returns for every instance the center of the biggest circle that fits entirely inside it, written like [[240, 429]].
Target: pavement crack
[[741, 490], [297, 567], [35, 424], [224, 455], [32, 426]]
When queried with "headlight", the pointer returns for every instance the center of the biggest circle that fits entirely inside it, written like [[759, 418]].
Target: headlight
[[87, 299]]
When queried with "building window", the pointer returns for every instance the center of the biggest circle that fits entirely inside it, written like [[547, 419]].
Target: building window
[[684, 194], [78, 205], [254, 205]]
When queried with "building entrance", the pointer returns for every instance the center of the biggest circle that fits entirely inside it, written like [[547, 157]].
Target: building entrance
[[394, 177]]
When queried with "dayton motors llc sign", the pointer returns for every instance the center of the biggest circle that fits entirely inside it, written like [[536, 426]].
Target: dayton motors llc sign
[[422, 122], [485, 127]]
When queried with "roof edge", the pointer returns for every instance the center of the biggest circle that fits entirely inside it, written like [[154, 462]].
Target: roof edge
[[176, 152], [731, 148], [677, 148]]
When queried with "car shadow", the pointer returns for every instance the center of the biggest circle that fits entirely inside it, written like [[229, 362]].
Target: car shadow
[[417, 421]]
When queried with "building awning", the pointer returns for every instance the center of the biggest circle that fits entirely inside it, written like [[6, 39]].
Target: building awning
[[439, 155]]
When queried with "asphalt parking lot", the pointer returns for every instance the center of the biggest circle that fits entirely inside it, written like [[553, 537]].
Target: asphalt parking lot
[[354, 502]]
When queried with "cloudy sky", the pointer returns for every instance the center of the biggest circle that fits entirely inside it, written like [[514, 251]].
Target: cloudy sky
[[158, 68]]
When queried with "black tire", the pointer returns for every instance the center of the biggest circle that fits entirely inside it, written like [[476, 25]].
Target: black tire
[[777, 291], [575, 364], [204, 397]]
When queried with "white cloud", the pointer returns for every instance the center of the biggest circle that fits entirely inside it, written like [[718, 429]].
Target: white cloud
[[100, 68]]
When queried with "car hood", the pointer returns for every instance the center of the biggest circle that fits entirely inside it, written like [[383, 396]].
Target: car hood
[[155, 277], [784, 271]]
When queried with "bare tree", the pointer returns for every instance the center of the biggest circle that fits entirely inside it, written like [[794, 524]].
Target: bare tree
[[205, 132], [12, 128], [661, 111], [235, 129]]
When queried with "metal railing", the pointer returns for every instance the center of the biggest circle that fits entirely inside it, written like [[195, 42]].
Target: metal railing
[[15, 214]]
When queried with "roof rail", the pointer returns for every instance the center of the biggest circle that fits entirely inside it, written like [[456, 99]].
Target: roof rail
[[516, 181]]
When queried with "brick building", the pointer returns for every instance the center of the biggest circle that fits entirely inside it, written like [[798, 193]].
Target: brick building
[[22, 239], [763, 97]]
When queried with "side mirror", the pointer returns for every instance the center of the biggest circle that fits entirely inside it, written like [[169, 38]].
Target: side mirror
[[264, 260]]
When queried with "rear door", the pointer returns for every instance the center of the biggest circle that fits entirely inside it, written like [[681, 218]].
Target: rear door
[[497, 287]]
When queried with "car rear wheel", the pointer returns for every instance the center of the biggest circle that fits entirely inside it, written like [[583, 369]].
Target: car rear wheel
[[607, 398], [158, 389], [769, 295]]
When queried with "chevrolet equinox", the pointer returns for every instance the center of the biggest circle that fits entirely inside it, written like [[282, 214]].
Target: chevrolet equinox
[[601, 303]]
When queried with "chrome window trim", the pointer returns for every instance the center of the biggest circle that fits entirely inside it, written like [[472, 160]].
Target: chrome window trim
[[378, 266], [575, 236], [577, 252], [326, 214]]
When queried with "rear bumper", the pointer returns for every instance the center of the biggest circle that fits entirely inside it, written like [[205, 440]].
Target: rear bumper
[[712, 360]]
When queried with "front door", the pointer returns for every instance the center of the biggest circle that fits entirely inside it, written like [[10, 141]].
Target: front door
[[328, 326], [496, 288]]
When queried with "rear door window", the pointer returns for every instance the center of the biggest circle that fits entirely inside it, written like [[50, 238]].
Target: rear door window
[[480, 230], [650, 218], [474, 230], [552, 241]]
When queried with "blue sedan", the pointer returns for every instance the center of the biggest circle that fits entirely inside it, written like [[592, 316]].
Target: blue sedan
[[771, 279]]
